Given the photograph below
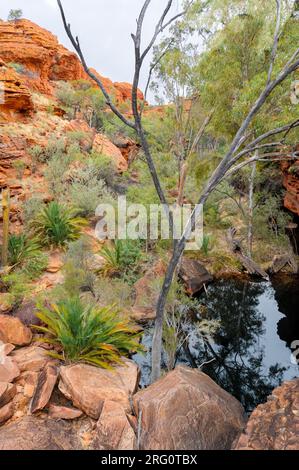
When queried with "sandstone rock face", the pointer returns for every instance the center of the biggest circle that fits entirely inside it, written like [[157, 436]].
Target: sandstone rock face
[[13, 331], [89, 387], [103, 145], [31, 433], [42, 58], [7, 393], [275, 424], [291, 184], [45, 385], [186, 410], [194, 275], [114, 431], [45, 61], [6, 413], [8, 368], [14, 94], [32, 359], [64, 412]]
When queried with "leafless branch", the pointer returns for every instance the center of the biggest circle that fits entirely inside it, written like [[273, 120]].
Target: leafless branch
[[270, 157], [276, 39], [76, 44]]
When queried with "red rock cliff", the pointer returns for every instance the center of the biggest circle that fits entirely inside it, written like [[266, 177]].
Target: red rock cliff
[[41, 60]]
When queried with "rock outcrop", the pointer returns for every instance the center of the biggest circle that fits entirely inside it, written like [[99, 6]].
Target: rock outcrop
[[114, 431], [13, 331], [44, 388], [41, 60], [186, 410], [194, 275], [15, 96], [275, 424], [31, 433], [291, 184], [103, 146], [88, 387]]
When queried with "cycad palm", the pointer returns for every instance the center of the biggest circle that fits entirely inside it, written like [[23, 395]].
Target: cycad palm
[[88, 334], [57, 224]]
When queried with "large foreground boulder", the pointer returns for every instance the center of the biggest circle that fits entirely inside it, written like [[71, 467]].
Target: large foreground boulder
[[31, 433], [186, 410], [88, 387], [274, 425]]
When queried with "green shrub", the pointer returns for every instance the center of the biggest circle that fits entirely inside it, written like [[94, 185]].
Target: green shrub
[[122, 256], [77, 273], [31, 208], [105, 168], [87, 190], [57, 224], [17, 286], [88, 334], [54, 174], [56, 147], [21, 248], [36, 152], [34, 267], [113, 292], [20, 167]]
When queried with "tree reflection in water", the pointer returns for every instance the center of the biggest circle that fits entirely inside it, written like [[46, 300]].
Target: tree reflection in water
[[238, 365]]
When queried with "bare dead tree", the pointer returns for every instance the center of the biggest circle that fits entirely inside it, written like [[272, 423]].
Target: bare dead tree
[[229, 164], [140, 56]]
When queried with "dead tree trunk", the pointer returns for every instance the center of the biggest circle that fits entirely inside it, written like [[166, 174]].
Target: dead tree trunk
[[250, 208]]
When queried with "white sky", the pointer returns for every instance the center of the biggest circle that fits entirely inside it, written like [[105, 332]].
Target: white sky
[[104, 28]]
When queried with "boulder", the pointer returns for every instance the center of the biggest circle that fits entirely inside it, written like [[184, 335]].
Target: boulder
[[274, 425], [64, 412], [6, 349], [104, 146], [88, 387], [31, 359], [186, 410], [13, 331], [31, 433], [7, 393], [6, 413], [45, 385], [113, 431], [194, 275], [9, 370]]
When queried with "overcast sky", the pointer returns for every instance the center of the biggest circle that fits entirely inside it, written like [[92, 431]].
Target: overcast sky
[[104, 28]]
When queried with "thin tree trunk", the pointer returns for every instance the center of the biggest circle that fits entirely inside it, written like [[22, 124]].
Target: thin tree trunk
[[5, 206], [250, 209]]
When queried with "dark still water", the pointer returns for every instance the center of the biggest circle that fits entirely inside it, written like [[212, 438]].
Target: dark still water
[[251, 351]]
